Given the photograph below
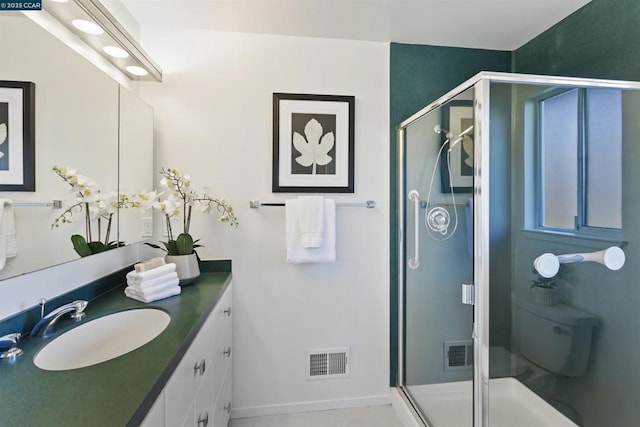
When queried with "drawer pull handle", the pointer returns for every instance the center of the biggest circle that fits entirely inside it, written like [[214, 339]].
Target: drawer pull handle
[[228, 311], [227, 352], [203, 421], [199, 368], [227, 407]]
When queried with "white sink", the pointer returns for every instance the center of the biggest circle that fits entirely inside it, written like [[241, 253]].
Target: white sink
[[102, 339]]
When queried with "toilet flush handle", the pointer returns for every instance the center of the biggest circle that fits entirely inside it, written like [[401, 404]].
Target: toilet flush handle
[[558, 330]]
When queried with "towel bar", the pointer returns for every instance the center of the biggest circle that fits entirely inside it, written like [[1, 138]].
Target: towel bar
[[423, 204], [56, 204], [369, 204]]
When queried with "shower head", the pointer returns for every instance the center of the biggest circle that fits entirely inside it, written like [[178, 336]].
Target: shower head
[[439, 130]]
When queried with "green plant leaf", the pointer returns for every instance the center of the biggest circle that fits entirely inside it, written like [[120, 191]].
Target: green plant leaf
[[172, 248], [97, 247], [156, 246], [80, 245], [184, 244]]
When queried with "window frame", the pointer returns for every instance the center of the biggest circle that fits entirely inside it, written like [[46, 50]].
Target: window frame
[[580, 227]]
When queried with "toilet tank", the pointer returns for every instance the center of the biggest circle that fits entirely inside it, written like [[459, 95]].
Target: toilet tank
[[555, 337]]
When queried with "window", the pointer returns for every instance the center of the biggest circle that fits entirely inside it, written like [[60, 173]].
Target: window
[[579, 157]]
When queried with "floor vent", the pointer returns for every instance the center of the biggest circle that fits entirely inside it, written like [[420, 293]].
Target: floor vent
[[329, 363], [458, 355]]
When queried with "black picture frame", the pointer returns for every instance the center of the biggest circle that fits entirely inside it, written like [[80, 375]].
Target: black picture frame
[[457, 116], [323, 118], [17, 136]]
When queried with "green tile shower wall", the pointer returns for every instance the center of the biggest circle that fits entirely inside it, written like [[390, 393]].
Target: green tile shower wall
[[418, 75], [599, 40]]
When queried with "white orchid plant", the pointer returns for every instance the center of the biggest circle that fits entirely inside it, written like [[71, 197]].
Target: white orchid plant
[[98, 209], [179, 204]]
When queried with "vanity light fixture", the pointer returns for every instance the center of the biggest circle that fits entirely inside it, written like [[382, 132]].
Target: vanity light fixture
[[97, 27]]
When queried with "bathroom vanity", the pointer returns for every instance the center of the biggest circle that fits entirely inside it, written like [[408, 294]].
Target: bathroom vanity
[[199, 390], [181, 378]]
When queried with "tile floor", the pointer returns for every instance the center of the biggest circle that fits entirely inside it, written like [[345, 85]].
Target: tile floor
[[372, 416]]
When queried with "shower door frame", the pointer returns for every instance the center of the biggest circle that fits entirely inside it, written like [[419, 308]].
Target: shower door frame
[[481, 83]]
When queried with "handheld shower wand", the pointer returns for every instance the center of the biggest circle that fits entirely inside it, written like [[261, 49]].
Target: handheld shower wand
[[460, 137]]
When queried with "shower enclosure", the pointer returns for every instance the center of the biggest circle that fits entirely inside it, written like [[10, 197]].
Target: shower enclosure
[[494, 174]]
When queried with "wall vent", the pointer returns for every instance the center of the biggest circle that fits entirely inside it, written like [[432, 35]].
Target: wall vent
[[458, 355], [328, 363]]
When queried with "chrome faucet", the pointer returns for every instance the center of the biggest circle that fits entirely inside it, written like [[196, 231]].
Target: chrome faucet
[[46, 324]]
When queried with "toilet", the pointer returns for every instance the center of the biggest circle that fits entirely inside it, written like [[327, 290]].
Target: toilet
[[552, 340]]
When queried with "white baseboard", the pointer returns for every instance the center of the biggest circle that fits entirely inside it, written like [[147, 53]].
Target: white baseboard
[[320, 405], [402, 409]]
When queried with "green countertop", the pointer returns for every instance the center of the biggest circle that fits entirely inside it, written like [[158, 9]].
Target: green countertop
[[118, 392]]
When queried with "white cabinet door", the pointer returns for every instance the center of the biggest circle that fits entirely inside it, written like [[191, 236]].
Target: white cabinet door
[[204, 404], [180, 391], [223, 404], [222, 349], [198, 393]]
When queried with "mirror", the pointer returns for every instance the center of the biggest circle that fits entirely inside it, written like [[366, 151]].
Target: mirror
[[77, 124], [135, 163]]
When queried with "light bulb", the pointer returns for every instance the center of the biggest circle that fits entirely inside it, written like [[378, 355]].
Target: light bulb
[[115, 51], [88, 27], [137, 71]]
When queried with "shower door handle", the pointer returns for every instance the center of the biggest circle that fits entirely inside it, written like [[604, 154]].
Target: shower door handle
[[414, 262]]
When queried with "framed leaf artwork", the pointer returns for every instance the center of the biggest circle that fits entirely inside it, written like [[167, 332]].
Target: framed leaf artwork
[[17, 136], [313, 143], [456, 168]]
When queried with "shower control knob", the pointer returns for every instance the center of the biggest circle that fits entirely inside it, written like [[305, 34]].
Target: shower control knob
[[438, 220]]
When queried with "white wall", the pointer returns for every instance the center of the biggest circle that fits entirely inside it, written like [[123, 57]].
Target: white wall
[[213, 115]]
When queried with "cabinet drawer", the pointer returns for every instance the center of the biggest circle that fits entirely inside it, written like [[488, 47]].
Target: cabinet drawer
[[205, 401], [223, 403], [193, 370], [222, 357], [222, 315]]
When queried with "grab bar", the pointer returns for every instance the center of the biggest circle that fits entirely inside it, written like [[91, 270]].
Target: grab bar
[[414, 262]]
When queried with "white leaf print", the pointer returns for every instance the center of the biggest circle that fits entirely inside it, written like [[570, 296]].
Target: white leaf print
[[313, 149], [3, 136], [3, 133]]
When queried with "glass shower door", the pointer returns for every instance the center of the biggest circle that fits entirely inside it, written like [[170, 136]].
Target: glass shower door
[[437, 350]]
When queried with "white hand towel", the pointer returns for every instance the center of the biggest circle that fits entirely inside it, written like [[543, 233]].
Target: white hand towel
[[153, 297], [310, 211], [8, 244], [133, 277], [157, 285], [296, 253], [152, 283], [149, 264]]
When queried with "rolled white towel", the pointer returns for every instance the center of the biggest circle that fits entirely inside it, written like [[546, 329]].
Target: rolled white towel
[[137, 278], [149, 264], [152, 283], [161, 284], [147, 298]]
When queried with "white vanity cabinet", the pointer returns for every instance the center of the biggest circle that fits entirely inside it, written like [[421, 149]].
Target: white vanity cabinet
[[198, 394], [155, 416]]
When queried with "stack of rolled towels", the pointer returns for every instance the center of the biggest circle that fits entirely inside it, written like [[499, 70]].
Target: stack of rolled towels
[[152, 280]]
